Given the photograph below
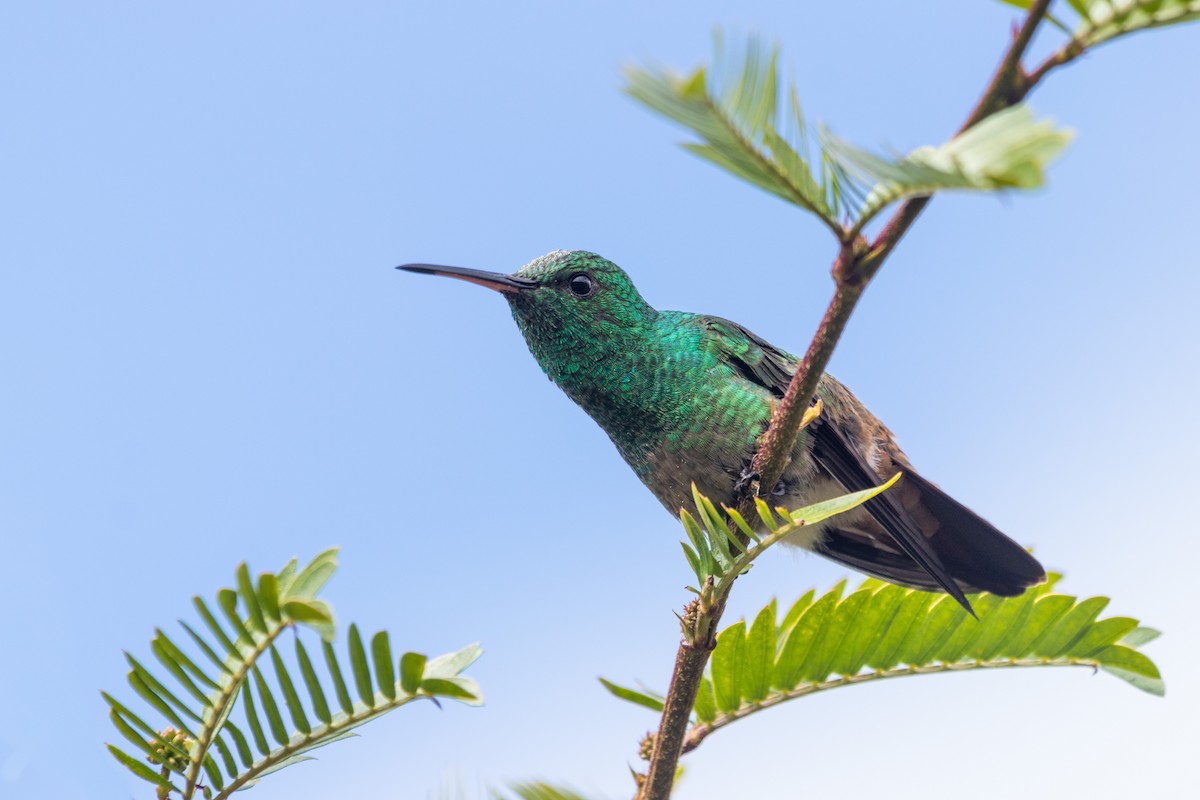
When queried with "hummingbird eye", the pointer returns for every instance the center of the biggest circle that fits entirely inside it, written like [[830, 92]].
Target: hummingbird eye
[[581, 285]]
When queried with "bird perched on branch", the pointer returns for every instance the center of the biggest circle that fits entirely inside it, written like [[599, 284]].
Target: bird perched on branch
[[685, 398]]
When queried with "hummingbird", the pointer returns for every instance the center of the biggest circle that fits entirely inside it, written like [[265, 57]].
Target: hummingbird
[[685, 398]]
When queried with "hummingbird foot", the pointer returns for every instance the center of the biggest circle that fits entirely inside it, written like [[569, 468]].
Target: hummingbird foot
[[749, 477], [746, 480]]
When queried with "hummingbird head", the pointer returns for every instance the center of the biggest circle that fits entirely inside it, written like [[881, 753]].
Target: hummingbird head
[[579, 312]]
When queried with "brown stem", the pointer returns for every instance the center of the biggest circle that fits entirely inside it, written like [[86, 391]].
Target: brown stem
[[853, 270], [775, 447], [681, 697]]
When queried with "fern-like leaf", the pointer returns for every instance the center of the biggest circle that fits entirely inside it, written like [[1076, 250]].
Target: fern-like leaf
[[539, 791], [238, 672], [1103, 20], [1007, 150], [1100, 21], [881, 631], [733, 108], [717, 554]]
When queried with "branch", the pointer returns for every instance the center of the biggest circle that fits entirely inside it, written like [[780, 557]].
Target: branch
[[854, 268], [681, 698]]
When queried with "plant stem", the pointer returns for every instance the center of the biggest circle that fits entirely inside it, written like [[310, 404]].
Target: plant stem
[[701, 732], [853, 270], [677, 711]]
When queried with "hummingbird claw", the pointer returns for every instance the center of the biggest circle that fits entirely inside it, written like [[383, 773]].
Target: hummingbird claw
[[744, 480], [749, 477]]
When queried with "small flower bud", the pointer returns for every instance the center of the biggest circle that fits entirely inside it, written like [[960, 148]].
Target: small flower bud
[[168, 757], [646, 748]]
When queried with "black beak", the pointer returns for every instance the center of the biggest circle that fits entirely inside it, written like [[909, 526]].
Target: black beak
[[509, 284]]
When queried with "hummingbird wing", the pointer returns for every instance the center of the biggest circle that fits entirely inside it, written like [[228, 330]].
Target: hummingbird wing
[[916, 563], [836, 454]]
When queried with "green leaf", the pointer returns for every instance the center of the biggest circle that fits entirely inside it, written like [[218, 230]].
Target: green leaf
[[1140, 636], [285, 576], [309, 582], [166, 655], [956, 646], [1104, 20], [766, 515], [161, 640], [213, 738], [256, 728], [268, 595], [728, 666], [543, 791], [940, 622], [693, 560], [140, 769], [385, 673], [451, 664], [850, 652], [270, 708], [358, 664], [215, 627], [1025, 4], [706, 702], [803, 638], [1059, 637], [819, 512], [339, 685], [733, 109], [206, 649], [141, 681], [316, 614], [705, 563], [1100, 635], [798, 608], [998, 625], [1046, 610], [1007, 150], [634, 696], [290, 698], [1130, 665], [448, 687], [890, 631], [312, 684], [214, 774], [759, 655], [227, 601], [239, 741], [412, 670], [245, 590]]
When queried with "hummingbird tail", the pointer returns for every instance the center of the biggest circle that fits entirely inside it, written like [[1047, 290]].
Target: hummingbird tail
[[975, 554], [973, 550]]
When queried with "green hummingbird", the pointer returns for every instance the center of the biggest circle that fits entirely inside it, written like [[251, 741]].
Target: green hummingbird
[[685, 398]]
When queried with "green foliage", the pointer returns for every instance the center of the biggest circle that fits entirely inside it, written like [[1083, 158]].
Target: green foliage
[[883, 631], [1007, 150], [203, 749], [718, 551], [1102, 20], [1099, 21], [734, 109], [541, 791]]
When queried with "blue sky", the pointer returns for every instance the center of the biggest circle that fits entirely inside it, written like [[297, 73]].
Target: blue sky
[[209, 358]]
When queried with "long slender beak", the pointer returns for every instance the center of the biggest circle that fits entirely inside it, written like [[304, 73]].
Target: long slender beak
[[509, 284]]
